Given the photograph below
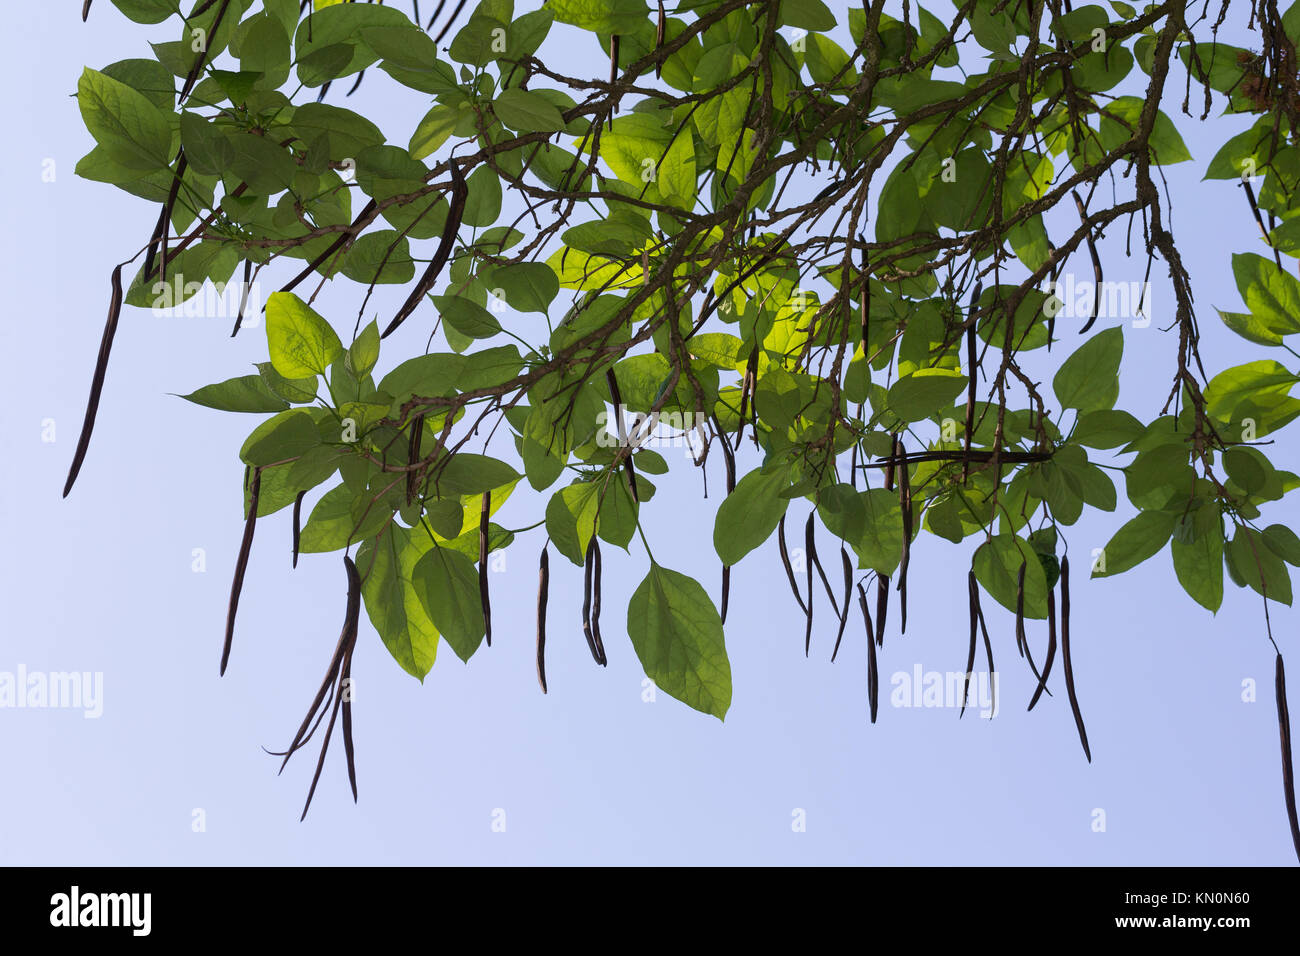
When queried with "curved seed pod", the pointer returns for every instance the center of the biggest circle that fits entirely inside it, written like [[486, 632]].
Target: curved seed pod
[[613, 58], [97, 380], [448, 25], [988, 645], [815, 561], [412, 456], [85, 10], [297, 524], [972, 357], [241, 565], [974, 628], [459, 195], [1051, 649], [617, 398], [1288, 773], [595, 602], [345, 695], [543, 591], [882, 607], [243, 297], [848, 593], [587, 565], [873, 675], [340, 693], [484, 597], [905, 502], [808, 565], [659, 39], [1096, 266], [726, 591], [1065, 656], [785, 561], [1020, 609]]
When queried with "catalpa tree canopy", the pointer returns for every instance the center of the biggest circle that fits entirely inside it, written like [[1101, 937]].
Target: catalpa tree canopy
[[837, 247]]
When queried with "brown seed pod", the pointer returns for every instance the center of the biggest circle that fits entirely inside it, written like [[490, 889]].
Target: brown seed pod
[[1288, 772], [484, 597], [241, 565], [1051, 649], [848, 593], [97, 380], [543, 592], [974, 635], [785, 561], [873, 676], [297, 524], [1065, 657], [459, 196]]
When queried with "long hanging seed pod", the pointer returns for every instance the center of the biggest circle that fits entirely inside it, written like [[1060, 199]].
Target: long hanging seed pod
[[1096, 266], [543, 592], [905, 503], [1051, 649], [483, 595], [972, 356], [1065, 656], [595, 601], [1020, 609], [988, 647], [241, 565], [785, 561], [873, 676], [97, 380], [659, 39], [335, 689], [808, 566], [412, 456], [971, 585], [1288, 772], [1022, 642], [810, 541], [630, 468], [882, 580], [297, 524], [848, 594], [588, 565], [459, 195], [729, 460]]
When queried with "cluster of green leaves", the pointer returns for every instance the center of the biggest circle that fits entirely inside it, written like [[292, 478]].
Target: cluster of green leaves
[[693, 283]]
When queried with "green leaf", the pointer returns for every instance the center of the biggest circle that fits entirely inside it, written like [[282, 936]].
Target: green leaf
[[571, 518], [391, 601], [527, 112], [1106, 428], [446, 581], [997, 564], [132, 130], [600, 16], [1137, 540], [302, 344], [296, 391], [749, 515], [677, 634], [807, 15], [248, 393], [341, 518], [287, 435], [1199, 566], [364, 352], [470, 474], [466, 316], [1258, 566], [926, 391], [881, 547], [1089, 379], [1272, 295], [526, 286], [434, 130]]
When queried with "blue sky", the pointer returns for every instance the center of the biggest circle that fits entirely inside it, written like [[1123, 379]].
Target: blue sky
[[1185, 771]]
